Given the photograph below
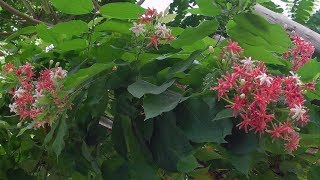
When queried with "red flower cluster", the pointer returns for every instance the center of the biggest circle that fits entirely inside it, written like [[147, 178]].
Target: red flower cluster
[[257, 96], [37, 98], [301, 53], [150, 28]]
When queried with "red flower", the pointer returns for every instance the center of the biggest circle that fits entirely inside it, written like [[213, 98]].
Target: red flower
[[292, 142], [7, 68], [170, 38], [151, 12], [233, 47], [154, 40]]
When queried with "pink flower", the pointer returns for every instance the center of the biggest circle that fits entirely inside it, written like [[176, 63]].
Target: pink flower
[[292, 142], [154, 40], [233, 47]]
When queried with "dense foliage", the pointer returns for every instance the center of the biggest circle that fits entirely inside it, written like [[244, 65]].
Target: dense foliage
[[116, 91]]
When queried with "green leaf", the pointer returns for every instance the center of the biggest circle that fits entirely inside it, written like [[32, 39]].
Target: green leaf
[[154, 105], [195, 120], [193, 34], [258, 37], [4, 125], [58, 144], [83, 75], [184, 65], [168, 18], [314, 173], [121, 10], [208, 7], [225, 113], [25, 30], [207, 153], [47, 34], [168, 144], [140, 88], [76, 7], [115, 25], [71, 28], [187, 164], [74, 44], [309, 70]]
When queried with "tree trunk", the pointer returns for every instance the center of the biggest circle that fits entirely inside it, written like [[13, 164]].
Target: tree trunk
[[290, 25]]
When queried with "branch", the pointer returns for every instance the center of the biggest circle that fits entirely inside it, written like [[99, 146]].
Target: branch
[[12, 10], [290, 25], [96, 5], [29, 8], [141, 2]]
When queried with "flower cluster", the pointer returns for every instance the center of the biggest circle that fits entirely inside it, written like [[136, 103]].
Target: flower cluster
[[301, 52], [37, 98], [258, 98], [151, 29]]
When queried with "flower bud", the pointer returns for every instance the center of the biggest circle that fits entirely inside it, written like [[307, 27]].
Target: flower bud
[[3, 81], [242, 82], [19, 124], [211, 49], [223, 61], [114, 68], [57, 64], [51, 62], [304, 91], [242, 96]]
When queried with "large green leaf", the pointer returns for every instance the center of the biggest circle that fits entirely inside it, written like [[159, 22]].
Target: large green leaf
[[58, 144], [121, 10], [195, 119], [140, 88], [258, 37], [115, 26], [75, 7], [156, 104], [169, 145], [208, 7], [193, 34], [73, 44], [71, 28], [47, 34], [83, 75], [309, 71], [314, 173]]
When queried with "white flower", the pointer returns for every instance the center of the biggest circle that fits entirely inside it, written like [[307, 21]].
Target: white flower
[[138, 29], [49, 48], [249, 62], [264, 79], [18, 93], [297, 112], [13, 107], [58, 73], [14, 28], [162, 30], [296, 77], [37, 42]]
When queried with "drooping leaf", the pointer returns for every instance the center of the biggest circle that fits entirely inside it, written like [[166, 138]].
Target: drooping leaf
[[195, 119], [156, 104], [71, 28], [169, 145], [121, 10], [193, 34], [76, 7], [82, 75], [208, 7], [258, 37], [140, 88], [58, 144]]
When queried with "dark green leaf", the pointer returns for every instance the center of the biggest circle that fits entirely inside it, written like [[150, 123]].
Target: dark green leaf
[[187, 164], [154, 105], [58, 144], [225, 113], [140, 88], [193, 34], [314, 173]]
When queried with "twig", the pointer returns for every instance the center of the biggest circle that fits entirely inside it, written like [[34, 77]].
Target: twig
[[141, 2], [29, 8], [14, 11], [96, 5]]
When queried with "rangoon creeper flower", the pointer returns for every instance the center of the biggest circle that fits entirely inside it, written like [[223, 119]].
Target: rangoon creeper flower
[[138, 29], [13, 107], [248, 62], [49, 48], [161, 30], [264, 79], [297, 112], [296, 77], [19, 93]]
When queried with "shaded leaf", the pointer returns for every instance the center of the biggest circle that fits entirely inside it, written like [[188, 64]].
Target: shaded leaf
[[140, 88]]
